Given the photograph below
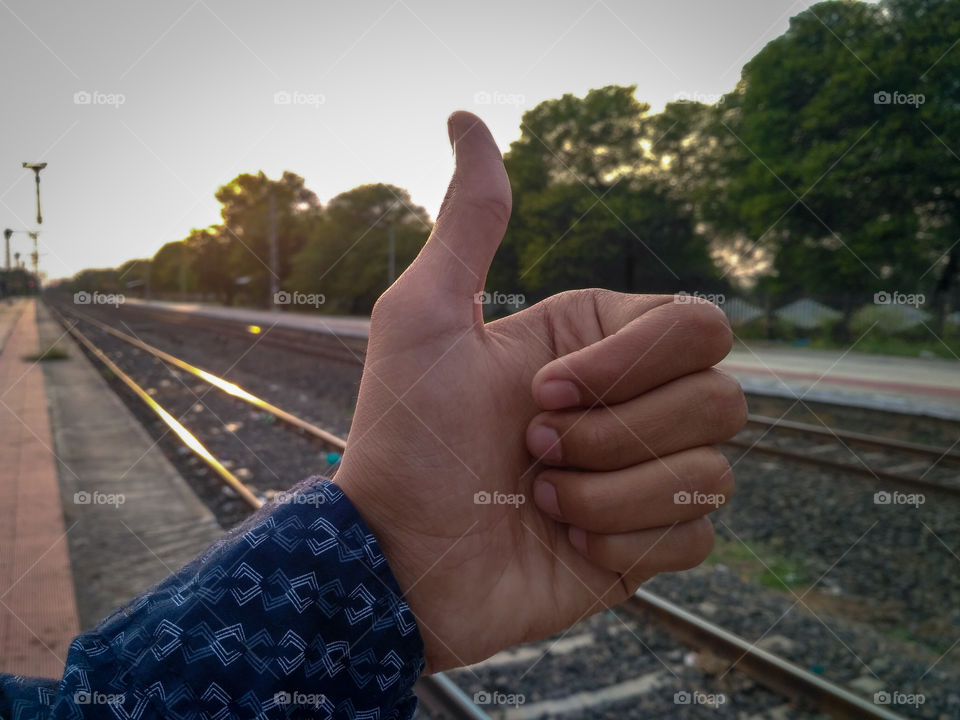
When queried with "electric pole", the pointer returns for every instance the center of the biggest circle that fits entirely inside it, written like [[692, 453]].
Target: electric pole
[[274, 252]]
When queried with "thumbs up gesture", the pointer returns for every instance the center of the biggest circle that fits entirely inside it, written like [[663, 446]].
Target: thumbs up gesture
[[524, 474]]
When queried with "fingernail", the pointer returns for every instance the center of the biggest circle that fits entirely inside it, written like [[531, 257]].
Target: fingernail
[[557, 394], [544, 443], [545, 496], [578, 538]]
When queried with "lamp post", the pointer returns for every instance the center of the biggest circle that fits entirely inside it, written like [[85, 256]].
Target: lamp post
[[36, 167]]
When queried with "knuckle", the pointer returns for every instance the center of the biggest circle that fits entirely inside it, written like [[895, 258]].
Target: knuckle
[[728, 406], [711, 324], [719, 474], [700, 542], [707, 470], [382, 309], [724, 483]]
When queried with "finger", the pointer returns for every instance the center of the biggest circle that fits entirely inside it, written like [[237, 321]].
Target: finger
[[641, 555], [677, 488], [699, 409], [471, 220], [664, 343]]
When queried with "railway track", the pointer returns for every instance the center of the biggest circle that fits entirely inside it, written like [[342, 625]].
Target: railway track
[[886, 460], [329, 346], [438, 693]]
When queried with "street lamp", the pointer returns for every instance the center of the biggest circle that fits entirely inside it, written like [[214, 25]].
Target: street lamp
[[37, 167]]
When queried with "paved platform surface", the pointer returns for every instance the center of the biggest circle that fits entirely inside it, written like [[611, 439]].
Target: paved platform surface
[[10, 310], [38, 613], [133, 519], [914, 385]]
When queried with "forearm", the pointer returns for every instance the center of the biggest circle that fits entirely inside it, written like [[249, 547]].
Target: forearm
[[297, 606]]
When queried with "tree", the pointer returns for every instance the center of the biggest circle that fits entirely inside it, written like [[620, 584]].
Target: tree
[[590, 203], [209, 251], [346, 256], [834, 163], [246, 214], [171, 270], [133, 277]]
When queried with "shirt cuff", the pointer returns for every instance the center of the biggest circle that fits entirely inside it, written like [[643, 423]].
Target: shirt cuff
[[293, 612]]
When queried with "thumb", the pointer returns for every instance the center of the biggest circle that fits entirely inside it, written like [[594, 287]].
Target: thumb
[[472, 218]]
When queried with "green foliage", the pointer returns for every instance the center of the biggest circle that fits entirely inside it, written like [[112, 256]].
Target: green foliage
[[171, 271], [847, 190], [346, 256], [592, 204], [251, 203], [209, 254]]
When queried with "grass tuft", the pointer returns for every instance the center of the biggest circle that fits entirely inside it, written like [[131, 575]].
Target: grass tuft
[[53, 352]]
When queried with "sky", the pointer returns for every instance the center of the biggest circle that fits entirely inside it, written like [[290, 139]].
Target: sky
[[143, 109]]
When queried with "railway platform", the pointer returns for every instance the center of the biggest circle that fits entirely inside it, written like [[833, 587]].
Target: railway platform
[[38, 612], [91, 511], [134, 518], [920, 386]]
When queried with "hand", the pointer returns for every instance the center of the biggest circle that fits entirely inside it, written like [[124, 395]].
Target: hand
[[598, 405]]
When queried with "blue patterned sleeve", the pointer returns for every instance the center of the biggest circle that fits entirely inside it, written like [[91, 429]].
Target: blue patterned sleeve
[[293, 614]]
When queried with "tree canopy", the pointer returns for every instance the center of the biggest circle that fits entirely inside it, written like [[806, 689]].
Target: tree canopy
[[831, 168]]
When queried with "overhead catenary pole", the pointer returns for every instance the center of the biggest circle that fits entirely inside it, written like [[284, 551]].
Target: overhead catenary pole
[[6, 239], [392, 261], [35, 255], [274, 260]]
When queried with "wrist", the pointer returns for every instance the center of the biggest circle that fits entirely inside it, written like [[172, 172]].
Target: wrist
[[366, 491]]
